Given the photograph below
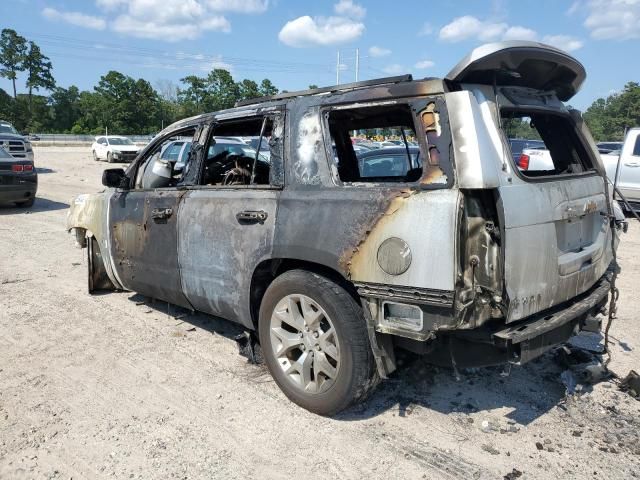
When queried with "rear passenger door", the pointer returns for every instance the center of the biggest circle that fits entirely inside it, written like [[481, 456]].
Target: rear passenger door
[[226, 225]]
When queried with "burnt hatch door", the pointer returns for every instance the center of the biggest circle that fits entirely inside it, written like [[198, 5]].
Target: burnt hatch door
[[521, 64]]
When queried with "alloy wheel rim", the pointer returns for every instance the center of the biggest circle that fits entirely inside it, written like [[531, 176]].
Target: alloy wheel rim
[[304, 343]]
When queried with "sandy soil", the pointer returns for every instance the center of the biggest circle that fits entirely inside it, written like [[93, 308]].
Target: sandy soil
[[113, 386]]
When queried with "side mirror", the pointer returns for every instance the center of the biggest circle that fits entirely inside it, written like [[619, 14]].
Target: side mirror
[[114, 178]]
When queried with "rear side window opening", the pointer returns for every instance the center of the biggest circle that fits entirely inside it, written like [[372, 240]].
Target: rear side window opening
[[545, 144], [375, 144]]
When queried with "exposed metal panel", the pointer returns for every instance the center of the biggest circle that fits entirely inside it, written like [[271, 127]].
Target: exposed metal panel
[[217, 253], [478, 152], [427, 222]]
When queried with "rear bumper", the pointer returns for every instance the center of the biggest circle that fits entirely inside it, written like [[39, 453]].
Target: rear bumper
[[14, 189], [531, 337]]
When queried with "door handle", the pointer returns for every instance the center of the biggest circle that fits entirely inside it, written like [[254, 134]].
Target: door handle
[[252, 216], [161, 213], [632, 164]]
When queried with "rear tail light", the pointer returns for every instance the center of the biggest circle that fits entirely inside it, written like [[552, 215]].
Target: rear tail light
[[22, 168], [523, 161]]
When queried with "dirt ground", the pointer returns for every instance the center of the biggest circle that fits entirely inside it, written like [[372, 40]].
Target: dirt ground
[[114, 386]]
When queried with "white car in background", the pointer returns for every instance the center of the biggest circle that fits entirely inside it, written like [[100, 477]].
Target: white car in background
[[114, 148]]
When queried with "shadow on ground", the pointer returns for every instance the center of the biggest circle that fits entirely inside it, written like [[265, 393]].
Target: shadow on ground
[[528, 391], [40, 205]]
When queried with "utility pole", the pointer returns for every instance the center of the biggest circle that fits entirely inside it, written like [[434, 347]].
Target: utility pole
[[357, 63], [338, 70]]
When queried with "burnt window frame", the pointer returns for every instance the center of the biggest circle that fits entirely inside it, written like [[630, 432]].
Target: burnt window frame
[[416, 106], [276, 176], [527, 110], [132, 171]]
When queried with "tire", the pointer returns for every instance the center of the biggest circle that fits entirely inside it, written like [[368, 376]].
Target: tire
[[336, 324], [109, 157], [95, 157], [27, 204]]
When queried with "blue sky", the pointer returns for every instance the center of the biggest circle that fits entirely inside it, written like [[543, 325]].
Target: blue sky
[[295, 43]]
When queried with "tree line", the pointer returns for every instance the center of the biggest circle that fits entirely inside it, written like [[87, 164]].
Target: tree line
[[118, 102], [125, 105]]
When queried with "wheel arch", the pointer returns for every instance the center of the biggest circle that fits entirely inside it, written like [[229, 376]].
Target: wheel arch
[[269, 269]]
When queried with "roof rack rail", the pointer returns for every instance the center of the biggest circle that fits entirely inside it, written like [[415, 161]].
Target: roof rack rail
[[334, 88]]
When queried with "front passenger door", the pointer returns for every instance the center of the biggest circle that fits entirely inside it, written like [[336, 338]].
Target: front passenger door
[[143, 225]]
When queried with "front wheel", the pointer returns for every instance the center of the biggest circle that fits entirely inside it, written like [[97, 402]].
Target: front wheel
[[315, 343], [95, 157], [109, 157]]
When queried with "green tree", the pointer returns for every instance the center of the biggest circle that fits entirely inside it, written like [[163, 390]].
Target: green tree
[[65, 108], [610, 118], [267, 88], [38, 68], [13, 51], [191, 98], [313, 86], [222, 91], [248, 89]]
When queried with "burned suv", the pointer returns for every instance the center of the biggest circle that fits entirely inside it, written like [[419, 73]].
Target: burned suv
[[453, 253]]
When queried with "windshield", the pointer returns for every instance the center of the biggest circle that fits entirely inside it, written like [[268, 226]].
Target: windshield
[[6, 128], [120, 141]]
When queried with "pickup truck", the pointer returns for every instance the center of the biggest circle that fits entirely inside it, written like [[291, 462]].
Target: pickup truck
[[538, 159], [629, 170]]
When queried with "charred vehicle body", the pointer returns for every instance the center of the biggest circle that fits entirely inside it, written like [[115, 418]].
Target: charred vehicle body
[[459, 255]]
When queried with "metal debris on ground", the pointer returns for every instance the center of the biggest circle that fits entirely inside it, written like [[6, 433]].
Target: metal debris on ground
[[513, 474], [249, 347], [631, 384]]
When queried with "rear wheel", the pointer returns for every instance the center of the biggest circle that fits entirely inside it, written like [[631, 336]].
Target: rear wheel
[[315, 342], [109, 157]]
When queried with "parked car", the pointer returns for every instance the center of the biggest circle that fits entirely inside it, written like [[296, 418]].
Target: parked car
[[389, 162], [609, 147], [114, 148], [18, 180], [15, 144], [463, 257], [517, 145], [629, 168]]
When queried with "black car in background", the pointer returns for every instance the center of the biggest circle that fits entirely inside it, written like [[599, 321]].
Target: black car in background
[[18, 180]]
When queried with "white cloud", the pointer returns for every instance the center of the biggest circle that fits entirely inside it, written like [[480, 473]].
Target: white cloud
[[472, 28], [563, 42], [613, 19], [110, 4], [239, 6], [320, 31], [466, 27], [75, 18], [349, 9], [394, 69], [427, 29], [424, 64], [519, 33], [162, 29], [174, 20], [379, 51]]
